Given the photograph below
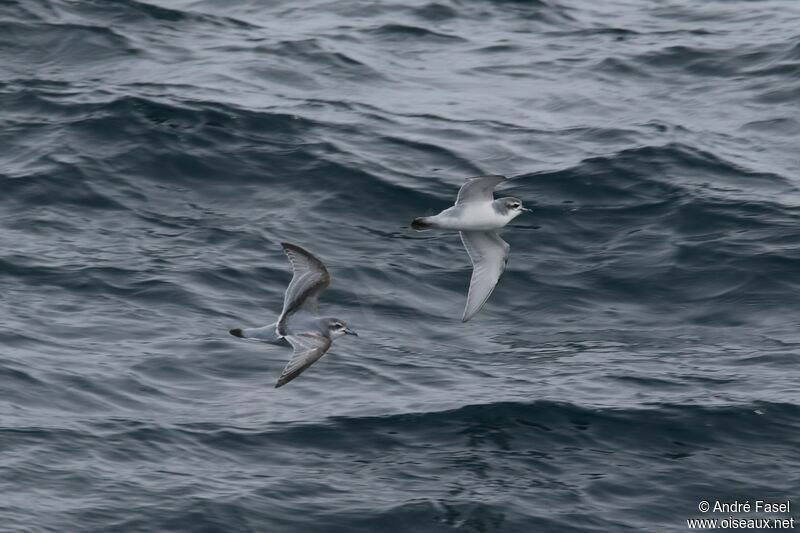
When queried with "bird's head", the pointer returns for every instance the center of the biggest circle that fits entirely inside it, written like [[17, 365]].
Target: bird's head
[[337, 328], [512, 206]]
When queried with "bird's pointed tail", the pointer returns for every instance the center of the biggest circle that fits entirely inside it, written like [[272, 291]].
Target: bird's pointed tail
[[421, 223]]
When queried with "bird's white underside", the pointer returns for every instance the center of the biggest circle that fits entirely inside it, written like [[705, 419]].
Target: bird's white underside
[[473, 216]]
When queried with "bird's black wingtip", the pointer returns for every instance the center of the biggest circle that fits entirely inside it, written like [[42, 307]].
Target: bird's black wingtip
[[236, 332]]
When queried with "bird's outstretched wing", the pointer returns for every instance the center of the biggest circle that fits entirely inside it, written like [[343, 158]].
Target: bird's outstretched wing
[[309, 280], [308, 348], [489, 254], [479, 189]]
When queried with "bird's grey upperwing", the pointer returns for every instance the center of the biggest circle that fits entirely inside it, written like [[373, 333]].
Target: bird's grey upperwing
[[479, 189], [308, 347], [310, 278], [489, 254]]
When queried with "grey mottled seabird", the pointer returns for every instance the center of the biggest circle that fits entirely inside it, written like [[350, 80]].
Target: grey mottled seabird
[[299, 322], [476, 215]]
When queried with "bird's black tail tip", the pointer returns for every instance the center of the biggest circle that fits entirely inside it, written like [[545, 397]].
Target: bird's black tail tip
[[420, 223], [236, 332]]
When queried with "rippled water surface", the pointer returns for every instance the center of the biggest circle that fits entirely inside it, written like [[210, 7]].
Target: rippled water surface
[[639, 355]]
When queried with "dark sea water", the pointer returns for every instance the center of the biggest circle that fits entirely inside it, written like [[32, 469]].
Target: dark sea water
[[639, 355]]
